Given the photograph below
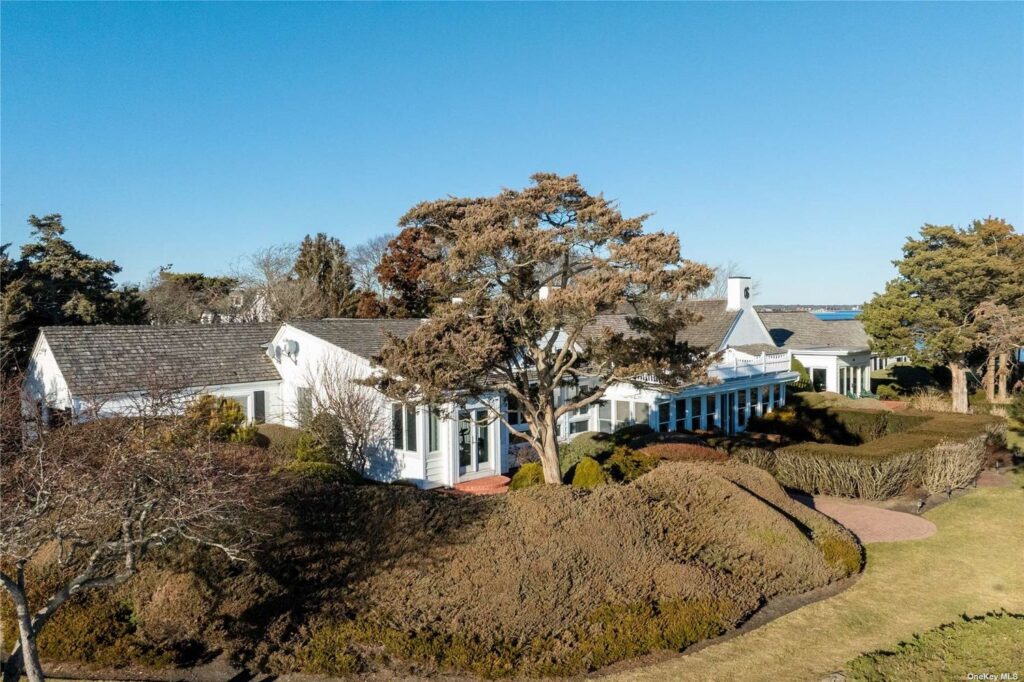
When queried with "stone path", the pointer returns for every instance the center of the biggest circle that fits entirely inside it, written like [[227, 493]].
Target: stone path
[[871, 524]]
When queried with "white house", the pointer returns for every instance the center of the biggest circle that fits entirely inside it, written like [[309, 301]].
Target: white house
[[836, 353], [272, 371]]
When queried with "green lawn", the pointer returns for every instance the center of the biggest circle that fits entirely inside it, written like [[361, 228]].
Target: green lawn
[[970, 566]]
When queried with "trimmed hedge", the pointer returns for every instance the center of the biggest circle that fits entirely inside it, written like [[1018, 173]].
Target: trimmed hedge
[[683, 452], [937, 452]]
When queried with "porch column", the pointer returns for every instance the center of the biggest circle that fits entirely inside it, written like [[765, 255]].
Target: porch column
[[782, 395], [452, 444], [703, 411], [747, 407], [688, 414], [672, 415], [423, 439], [736, 412]]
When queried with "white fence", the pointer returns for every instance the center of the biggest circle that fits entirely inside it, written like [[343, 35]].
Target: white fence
[[737, 368]]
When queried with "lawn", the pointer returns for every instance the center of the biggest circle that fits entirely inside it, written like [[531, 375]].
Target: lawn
[[970, 566]]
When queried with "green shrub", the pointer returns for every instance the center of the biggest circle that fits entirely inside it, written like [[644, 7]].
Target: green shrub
[[321, 471], [633, 435], [684, 452], [840, 552], [530, 474], [1016, 407], [308, 449], [279, 439], [625, 464], [804, 382], [589, 444], [244, 435], [954, 651], [212, 417], [887, 392], [588, 474]]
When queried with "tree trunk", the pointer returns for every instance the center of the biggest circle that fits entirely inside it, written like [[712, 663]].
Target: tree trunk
[[1002, 377], [25, 656], [549, 449], [990, 378], [959, 371]]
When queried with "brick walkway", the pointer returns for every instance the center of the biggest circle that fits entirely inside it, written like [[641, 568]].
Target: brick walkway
[[490, 485], [872, 524]]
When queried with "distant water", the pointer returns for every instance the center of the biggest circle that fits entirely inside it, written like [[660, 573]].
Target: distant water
[[838, 315]]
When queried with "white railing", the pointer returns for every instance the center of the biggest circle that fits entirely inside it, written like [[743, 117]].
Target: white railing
[[737, 368]]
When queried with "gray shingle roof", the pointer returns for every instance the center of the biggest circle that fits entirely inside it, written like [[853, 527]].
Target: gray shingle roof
[[804, 330], [708, 330], [109, 359], [363, 337]]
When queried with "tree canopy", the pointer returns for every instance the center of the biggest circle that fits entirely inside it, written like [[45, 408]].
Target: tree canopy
[[947, 276], [53, 283], [322, 262], [531, 270]]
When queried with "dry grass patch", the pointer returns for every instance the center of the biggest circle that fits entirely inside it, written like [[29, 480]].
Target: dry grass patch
[[969, 566], [542, 581]]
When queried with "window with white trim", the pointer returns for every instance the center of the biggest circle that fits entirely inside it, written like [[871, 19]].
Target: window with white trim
[[403, 425]]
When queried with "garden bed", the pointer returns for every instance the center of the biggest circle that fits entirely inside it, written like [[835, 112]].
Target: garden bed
[[545, 581]]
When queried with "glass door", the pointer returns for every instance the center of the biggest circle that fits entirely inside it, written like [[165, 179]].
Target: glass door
[[474, 441]]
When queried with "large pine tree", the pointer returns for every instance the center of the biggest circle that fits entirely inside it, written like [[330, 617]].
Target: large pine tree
[[54, 283], [930, 311]]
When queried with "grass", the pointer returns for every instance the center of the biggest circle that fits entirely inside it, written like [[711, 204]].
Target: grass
[[992, 644], [970, 566], [1015, 435]]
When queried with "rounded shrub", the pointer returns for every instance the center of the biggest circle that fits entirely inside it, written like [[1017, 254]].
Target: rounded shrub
[[589, 474], [530, 474], [213, 417], [887, 392], [589, 444], [625, 464]]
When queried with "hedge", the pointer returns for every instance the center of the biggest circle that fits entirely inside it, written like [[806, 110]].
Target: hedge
[[936, 453]]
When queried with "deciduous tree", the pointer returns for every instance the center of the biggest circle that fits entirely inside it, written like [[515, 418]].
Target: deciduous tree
[[91, 500], [534, 268]]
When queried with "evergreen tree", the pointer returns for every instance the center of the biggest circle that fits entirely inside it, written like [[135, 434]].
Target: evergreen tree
[[930, 311], [323, 262], [53, 283]]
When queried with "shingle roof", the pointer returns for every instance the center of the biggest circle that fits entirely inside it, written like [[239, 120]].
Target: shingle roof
[[708, 330], [108, 359], [804, 330], [363, 337]]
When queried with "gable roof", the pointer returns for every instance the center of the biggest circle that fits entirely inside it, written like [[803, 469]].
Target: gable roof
[[108, 359], [709, 329], [365, 338], [804, 330]]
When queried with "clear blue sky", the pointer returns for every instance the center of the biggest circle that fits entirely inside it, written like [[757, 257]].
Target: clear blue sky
[[803, 141]]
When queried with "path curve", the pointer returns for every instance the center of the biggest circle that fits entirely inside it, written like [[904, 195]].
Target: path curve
[[872, 524]]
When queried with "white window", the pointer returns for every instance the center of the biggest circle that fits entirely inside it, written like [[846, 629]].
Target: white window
[[236, 300], [403, 425]]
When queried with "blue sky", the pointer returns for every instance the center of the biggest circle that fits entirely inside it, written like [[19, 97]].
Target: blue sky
[[803, 141]]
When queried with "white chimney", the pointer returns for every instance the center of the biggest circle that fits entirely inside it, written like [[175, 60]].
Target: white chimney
[[738, 294]]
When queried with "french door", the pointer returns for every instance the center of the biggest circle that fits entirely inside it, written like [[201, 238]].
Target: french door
[[474, 442]]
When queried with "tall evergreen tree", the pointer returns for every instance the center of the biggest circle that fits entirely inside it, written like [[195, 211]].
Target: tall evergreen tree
[[930, 311], [54, 283], [401, 272], [323, 262]]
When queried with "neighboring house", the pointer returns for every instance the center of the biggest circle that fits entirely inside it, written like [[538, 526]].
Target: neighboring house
[[836, 353], [243, 306], [276, 371]]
